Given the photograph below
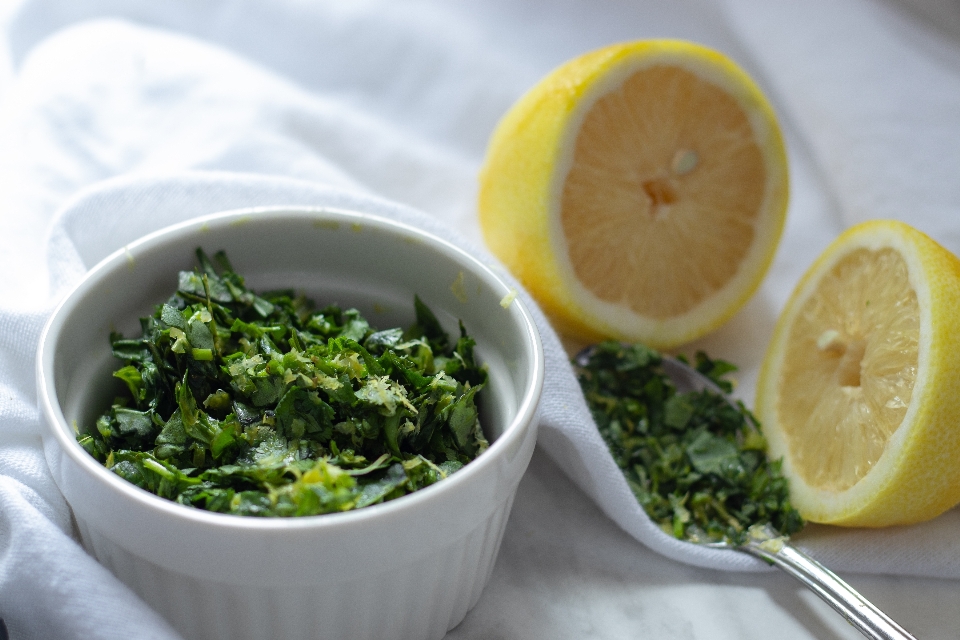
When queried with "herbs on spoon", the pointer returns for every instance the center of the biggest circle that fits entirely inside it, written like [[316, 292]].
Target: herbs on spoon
[[695, 462]]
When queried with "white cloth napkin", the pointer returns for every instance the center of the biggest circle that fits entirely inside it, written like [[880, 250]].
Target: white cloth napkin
[[128, 115]]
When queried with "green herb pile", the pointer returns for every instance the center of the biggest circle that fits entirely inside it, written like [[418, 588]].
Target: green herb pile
[[260, 405], [695, 462]]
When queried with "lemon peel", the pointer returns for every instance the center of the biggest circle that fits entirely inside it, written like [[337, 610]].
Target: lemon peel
[[638, 192]]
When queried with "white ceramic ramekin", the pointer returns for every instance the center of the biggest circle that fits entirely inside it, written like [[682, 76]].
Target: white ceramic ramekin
[[409, 568]]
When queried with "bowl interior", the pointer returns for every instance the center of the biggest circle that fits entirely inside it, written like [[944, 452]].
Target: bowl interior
[[345, 258]]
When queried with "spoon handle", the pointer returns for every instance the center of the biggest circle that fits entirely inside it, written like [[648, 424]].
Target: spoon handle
[[858, 611]]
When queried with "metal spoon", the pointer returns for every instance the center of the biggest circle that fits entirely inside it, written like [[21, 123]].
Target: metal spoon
[[768, 545]]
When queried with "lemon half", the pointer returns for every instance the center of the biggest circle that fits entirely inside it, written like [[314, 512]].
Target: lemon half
[[859, 392], [638, 192]]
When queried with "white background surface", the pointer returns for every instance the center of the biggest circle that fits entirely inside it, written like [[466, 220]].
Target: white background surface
[[860, 147]]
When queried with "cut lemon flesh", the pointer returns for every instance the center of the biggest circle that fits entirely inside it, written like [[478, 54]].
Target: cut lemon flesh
[[851, 364], [859, 391], [639, 192], [679, 220]]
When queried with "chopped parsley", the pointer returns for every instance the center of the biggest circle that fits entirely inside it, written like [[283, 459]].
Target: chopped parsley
[[695, 462], [260, 404]]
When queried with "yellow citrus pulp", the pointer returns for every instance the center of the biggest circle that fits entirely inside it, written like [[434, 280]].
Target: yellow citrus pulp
[[638, 192], [860, 387]]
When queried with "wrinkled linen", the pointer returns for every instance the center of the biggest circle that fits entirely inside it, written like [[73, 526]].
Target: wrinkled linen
[[124, 117]]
